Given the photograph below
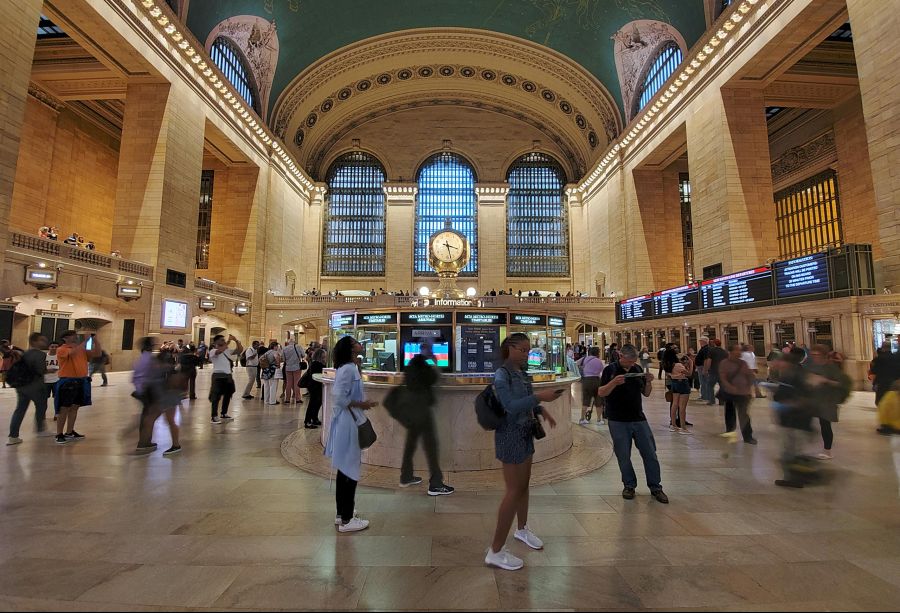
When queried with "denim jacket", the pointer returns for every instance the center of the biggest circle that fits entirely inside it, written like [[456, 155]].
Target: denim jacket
[[514, 390]]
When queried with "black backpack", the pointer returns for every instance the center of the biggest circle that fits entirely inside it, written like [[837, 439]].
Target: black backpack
[[243, 358], [397, 405], [488, 409], [20, 374]]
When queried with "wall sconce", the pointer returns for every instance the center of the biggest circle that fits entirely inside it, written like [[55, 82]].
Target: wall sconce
[[207, 304], [129, 291], [40, 276]]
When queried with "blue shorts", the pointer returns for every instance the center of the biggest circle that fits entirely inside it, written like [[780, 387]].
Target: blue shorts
[[73, 391], [681, 386]]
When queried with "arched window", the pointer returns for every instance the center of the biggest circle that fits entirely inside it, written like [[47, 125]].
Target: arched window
[[663, 66], [354, 229], [229, 59], [537, 226], [446, 190]]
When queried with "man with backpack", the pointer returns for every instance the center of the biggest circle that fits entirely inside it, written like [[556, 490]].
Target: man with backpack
[[27, 376]]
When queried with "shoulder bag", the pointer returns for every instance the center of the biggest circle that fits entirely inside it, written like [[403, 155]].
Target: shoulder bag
[[367, 436]]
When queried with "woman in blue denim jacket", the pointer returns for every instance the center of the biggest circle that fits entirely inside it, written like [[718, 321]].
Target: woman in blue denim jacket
[[514, 443]]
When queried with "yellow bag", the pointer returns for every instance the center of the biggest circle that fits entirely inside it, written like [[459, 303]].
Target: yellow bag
[[889, 410]]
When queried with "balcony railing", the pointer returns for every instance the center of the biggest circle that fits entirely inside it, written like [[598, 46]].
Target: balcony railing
[[407, 301], [320, 299], [62, 252], [217, 288]]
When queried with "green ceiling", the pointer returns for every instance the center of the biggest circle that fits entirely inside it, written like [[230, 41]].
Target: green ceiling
[[579, 29]]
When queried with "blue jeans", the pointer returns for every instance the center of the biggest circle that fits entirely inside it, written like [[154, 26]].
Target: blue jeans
[[704, 392], [39, 397], [708, 387], [623, 432]]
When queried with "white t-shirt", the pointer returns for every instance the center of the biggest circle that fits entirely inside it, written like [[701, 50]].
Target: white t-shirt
[[251, 356], [222, 362], [52, 375], [750, 358]]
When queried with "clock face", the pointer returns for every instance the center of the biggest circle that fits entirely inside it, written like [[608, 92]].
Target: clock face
[[447, 246]]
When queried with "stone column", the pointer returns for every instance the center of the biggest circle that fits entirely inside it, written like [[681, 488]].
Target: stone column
[[400, 212], [579, 243], [732, 202], [18, 27], [158, 188], [877, 50], [659, 211], [313, 227], [491, 236]]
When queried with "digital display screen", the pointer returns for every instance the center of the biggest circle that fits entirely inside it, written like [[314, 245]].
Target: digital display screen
[[556, 322], [481, 318], [441, 353], [479, 348], [536, 358], [376, 319], [529, 320], [341, 320], [802, 276], [747, 288], [426, 318], [684, 300], [635, 309], [174, 314]]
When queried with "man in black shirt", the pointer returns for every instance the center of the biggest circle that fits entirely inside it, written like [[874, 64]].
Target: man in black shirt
[[705, 393], [711, 366], [623, 383]]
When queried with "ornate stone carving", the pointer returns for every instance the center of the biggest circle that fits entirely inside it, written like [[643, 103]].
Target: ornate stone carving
[[44, 97], [258, 40], [795, 160], [636, 44]]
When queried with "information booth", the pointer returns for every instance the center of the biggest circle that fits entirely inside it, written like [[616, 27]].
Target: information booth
[[478, 338], [377, 333]]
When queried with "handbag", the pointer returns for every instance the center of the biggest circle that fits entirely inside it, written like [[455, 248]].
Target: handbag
[[537, 428], [367, 436], [668, 396]]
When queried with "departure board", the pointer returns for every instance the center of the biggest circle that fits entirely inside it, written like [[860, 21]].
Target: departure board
[[747, 288], [635, 309], [684, 300], [804, 276]]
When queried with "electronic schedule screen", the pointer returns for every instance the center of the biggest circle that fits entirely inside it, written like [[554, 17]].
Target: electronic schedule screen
[[684, 300], [744, 289], [804, 276], [635, 309]]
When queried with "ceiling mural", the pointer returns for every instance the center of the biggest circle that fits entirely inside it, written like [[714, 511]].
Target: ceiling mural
[[582, 30]]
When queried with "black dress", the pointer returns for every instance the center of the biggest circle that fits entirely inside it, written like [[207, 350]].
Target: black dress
[[315, 394]]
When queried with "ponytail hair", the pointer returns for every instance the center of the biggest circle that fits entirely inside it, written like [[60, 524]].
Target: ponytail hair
[[509, 341]]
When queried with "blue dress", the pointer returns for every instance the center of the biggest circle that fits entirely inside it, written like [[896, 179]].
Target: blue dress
[[513, 440], [343, 438]]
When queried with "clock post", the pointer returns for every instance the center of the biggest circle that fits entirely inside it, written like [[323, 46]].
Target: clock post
[[448, 253]]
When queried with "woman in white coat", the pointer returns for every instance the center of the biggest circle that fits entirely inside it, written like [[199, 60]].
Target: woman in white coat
[[347, 404]]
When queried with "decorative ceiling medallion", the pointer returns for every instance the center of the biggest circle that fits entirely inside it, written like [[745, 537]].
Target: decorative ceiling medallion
[[311, 120], [298, 138], [487, 74]]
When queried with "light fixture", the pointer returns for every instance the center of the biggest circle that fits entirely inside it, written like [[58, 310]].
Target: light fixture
[[42, 264], [424, 291], [471, 292]]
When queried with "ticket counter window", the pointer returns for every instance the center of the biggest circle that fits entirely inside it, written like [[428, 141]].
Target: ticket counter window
[[820, 334], [757, 339], [784, 334], [676, 338], [731, 336], [379, 348], [887, 331], [690, 340]]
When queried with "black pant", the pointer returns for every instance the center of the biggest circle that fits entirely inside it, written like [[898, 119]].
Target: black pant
[[315, 403], [192, 382], [345, 495], [425, 429], [222, 388], [827, 433], [742, 405]]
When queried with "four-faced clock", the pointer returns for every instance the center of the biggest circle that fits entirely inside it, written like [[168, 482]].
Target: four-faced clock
[[448, 247]]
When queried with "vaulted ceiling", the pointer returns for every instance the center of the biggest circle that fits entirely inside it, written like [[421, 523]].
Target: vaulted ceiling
[[581, 30]]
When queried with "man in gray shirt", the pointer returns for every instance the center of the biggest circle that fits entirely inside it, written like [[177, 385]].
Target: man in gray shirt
[[34, 391]]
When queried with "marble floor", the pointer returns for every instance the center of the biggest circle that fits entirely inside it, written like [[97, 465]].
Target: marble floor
[[229, 525]]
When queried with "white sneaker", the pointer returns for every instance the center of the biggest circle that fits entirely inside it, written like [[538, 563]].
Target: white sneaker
[[13, 440], [338, 521], [354, 525], [673, 429], [503, 559], [684, 431], [528, 537], [601, 422], [215, 420], [583, 422], [825, 455]]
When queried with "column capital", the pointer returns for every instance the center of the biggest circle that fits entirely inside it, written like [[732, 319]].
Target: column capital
[[491, 194], [576, 198], [400, 194], [317, 194]]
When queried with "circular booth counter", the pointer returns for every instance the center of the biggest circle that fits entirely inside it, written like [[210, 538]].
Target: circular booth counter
[[463, 444]]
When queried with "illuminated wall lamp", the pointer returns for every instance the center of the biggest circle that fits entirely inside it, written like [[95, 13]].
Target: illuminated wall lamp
[[128, 291], [41, 276]]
